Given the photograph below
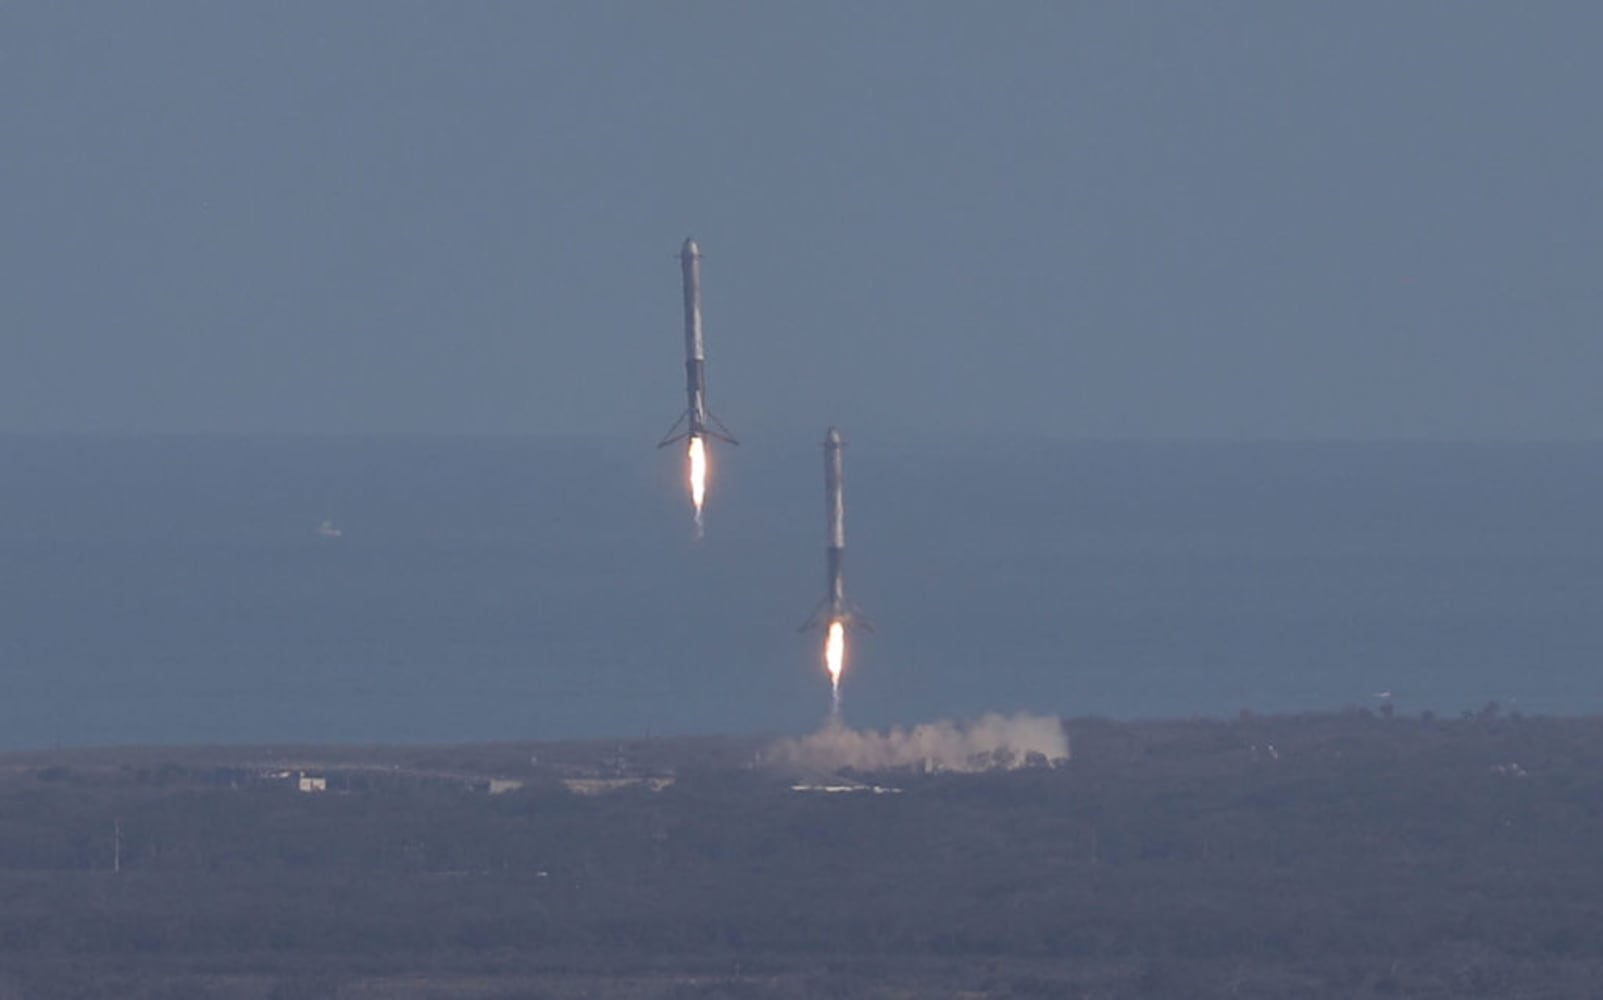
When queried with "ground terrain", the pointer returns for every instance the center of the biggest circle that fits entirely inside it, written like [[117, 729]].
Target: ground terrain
[[1329, 855]]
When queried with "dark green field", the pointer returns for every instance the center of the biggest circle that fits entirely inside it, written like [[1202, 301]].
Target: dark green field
[[1340, 855]]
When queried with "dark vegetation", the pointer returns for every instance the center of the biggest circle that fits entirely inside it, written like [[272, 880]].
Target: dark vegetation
[[1319, 856]]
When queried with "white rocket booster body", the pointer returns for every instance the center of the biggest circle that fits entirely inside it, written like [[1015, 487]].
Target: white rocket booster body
[[695, 350], [697, 420], [834, 607], [835, 515]]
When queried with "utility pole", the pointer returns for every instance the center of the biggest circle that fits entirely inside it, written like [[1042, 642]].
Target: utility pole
[[116, 846]]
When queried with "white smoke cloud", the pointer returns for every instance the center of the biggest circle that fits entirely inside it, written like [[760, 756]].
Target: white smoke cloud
[[989, 742]]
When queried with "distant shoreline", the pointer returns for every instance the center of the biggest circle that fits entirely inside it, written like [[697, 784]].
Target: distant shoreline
[[720, 748]]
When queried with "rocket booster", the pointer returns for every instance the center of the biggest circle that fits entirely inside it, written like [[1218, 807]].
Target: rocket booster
[[834, 607], [697, 420]]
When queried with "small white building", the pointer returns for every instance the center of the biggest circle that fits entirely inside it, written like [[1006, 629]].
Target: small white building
[[308, 783]]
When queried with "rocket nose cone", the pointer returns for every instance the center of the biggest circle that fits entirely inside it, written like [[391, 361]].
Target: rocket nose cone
[[689, 249], [833, 437]]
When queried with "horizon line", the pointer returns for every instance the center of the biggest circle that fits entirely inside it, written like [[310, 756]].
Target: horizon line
[[926, 437]]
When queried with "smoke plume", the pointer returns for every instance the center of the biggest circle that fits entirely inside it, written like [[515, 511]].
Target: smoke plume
[[989, 742]]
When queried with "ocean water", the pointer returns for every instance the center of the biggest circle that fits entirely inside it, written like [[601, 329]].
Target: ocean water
[[174, 590]]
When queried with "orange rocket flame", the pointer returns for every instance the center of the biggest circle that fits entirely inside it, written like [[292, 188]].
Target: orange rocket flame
[[835, 658], [698, 476]]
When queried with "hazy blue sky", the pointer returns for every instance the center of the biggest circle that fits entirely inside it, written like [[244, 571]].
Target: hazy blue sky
[[1072, 220]]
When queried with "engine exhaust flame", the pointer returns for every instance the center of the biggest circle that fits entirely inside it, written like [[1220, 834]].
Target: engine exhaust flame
[[835, 660], [698, 477]]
